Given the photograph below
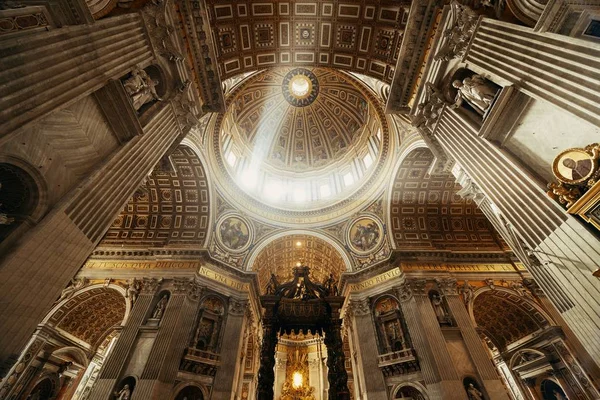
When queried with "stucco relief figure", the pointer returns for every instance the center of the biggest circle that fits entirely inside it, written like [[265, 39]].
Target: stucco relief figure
[[478, 92], [133, 289], [474, 394], [124, 394], [234, 233], [467, 292], [141, 88], [159, 310], [331, 286], [272, 285]]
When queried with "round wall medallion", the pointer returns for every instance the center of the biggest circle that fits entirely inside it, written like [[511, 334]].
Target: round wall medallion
[[574, 166], [365, 234], [300, 87], [234, 233]]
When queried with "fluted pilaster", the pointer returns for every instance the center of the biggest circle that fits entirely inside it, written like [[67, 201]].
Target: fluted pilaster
[[42, 72], [560, 69], [569, 253]]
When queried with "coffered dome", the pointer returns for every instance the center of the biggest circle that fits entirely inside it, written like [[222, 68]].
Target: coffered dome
[[303, 141], [300, 119]]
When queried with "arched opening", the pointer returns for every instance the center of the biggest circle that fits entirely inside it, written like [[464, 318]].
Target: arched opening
[[125, 388], [75, 338], [18, 198], [282, 255], [43, 390], [408, 392], [190, 393]]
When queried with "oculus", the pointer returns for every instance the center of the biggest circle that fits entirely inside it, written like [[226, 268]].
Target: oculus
[[300, 87]]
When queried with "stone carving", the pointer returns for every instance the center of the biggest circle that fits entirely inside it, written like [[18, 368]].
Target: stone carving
[[404, 292], [576, 170], [447, 286], [438, 306], [149, 285], [237, 307], [133, 289], [429, 111], [331, 286], [273, 285], [490, 283], [458, 35], [359, 307], [470, 191], [159, 309], [533, 287], [473, 393], [467, 292], [518, 287], [75, 285], [124, 394], [477, 91], [188, 286], [141, 88]]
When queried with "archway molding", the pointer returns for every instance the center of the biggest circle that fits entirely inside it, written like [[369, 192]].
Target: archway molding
[[281, 234], [415, 385], [186, 384]]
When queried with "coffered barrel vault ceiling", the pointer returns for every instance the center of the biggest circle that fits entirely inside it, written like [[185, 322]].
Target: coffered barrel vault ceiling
[[282, 255], [361, 36]]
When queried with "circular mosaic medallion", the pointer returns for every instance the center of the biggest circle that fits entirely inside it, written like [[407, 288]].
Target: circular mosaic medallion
[[300, 87], [233, 233], [365, 234]]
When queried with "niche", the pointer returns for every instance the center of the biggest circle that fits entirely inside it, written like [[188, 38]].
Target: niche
[[160, 306], [472, 95], [391, 328], [18, 198], [210, 320], [440, 307]]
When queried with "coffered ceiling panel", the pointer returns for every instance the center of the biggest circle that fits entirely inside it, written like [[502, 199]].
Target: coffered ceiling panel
[[172, 207], [360, 36], [426, 212]]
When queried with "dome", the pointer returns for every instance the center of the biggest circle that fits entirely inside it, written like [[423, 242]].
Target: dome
[[301, 139], [300, 119]]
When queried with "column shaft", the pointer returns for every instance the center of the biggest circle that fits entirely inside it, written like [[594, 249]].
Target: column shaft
[[50, 254], [560, 69], [451, 385], [159, 353], [374, 384], [118, 357], [42, 72], [485, 368], [231, 348], [570, 253]]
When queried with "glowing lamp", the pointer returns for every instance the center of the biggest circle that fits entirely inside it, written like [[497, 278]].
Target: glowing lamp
[[297, 380]]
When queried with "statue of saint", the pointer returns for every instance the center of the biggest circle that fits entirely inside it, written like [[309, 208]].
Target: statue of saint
[[124, 394], [272, 285], [141, 88], [476, 91], [438, 307], [330, 285], [474, 394], [133, 289], [160, 307]]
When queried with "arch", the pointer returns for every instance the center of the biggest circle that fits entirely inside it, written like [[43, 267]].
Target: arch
[[183, 385], [74, 354], [61, 303], [416, 386], [41, 185], [531, 317], [320, 248], [405, 149], [280, 234], [46, 386], [426, 213], [88, 327], [518, 356], [548, 387], [178, 189]]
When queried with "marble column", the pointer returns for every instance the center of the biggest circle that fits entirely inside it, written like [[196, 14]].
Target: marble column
[[485, 368], [48, 70], [568, 253], [450, 383], [49, 255], [114, 364], [363, 327], [158, 378], [418, 337], [231, 348], [560, 69]]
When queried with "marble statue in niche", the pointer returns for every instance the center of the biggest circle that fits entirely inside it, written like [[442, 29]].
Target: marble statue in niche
[[141, 88], [159, 309], [234, 233], [123, 394], [474, 393], [476, 91]]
